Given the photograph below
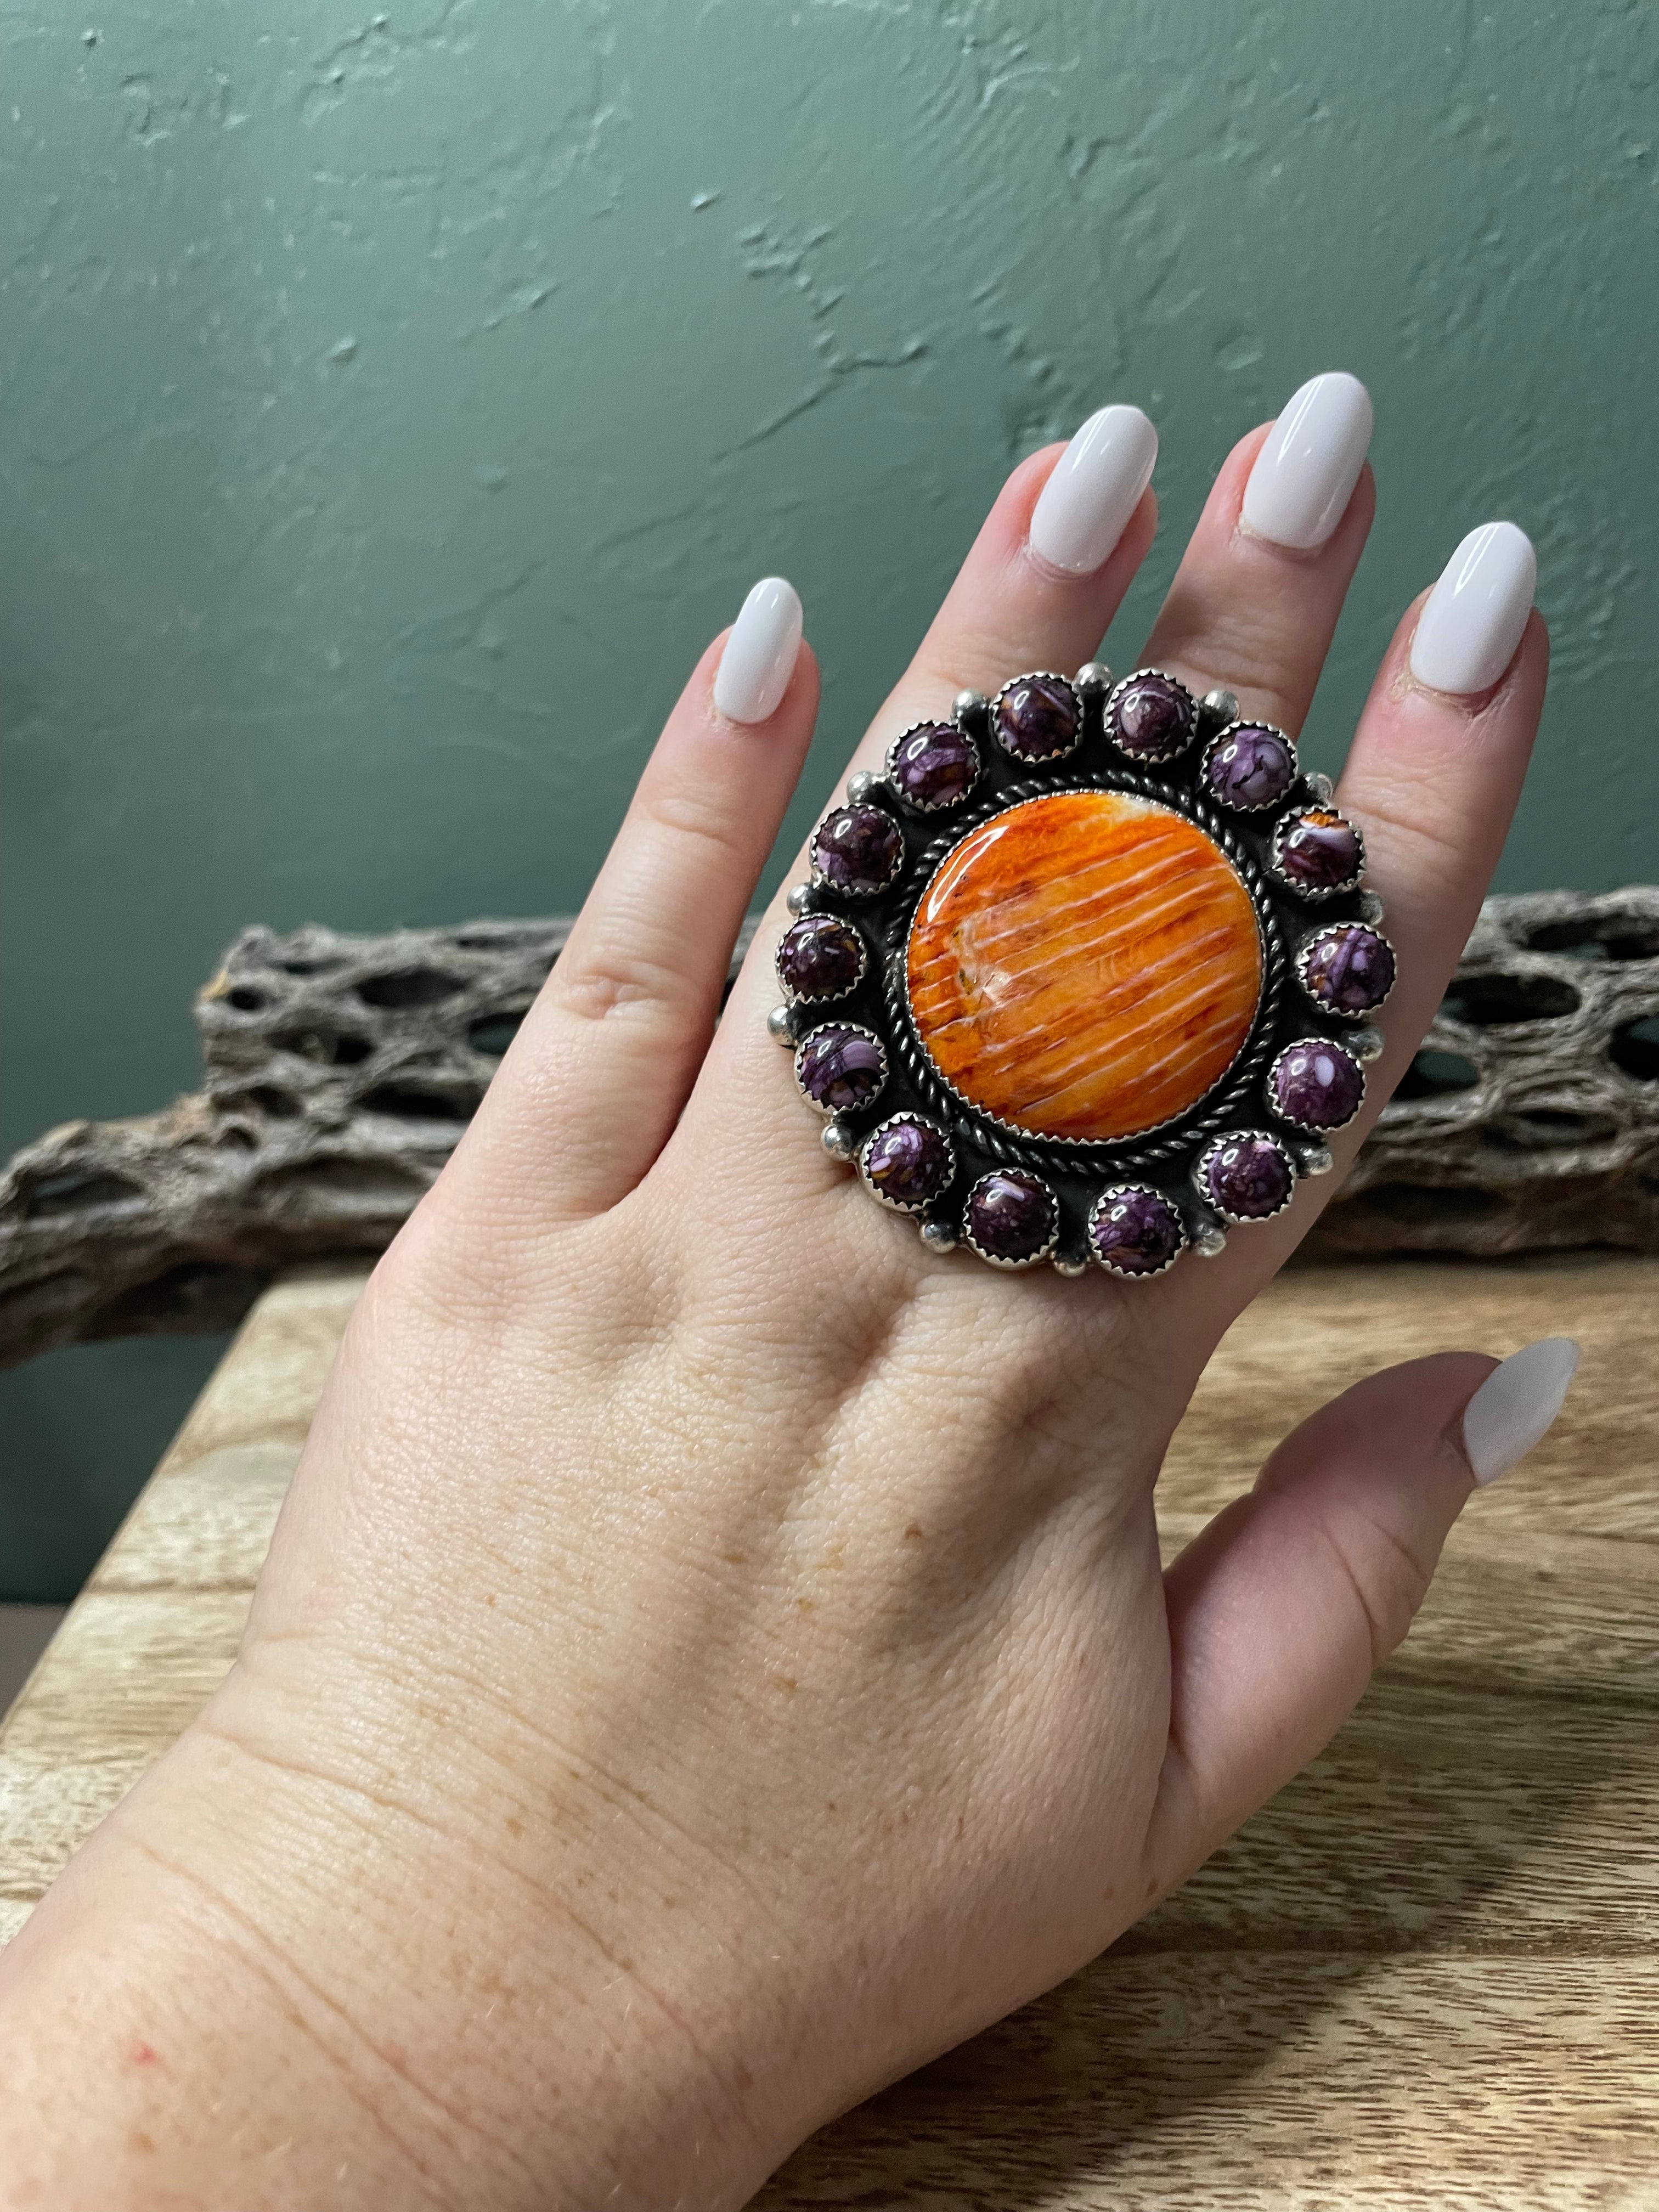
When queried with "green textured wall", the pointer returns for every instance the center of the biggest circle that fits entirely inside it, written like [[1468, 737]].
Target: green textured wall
[[396, 402]]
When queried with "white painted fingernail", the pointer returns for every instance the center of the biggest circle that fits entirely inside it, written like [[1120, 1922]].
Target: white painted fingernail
[[1095, 488], [1473, 619], [1305, 476], [760, 654], [1516, 1404]]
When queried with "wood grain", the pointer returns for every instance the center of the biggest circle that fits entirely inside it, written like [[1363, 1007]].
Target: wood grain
[[1427, 1973]]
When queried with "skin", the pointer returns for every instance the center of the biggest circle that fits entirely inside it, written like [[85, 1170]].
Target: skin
[[714, 1654]]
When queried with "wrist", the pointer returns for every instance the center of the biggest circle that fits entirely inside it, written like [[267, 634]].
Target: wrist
[[207, 2009]]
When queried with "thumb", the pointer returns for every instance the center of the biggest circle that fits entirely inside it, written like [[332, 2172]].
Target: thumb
[[1281, 1609]]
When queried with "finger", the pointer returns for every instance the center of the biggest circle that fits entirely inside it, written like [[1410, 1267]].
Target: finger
[[1433, 775], [1250, 614], [1431, 782], [1044, 577], [1280, 1611], [600, 1071]]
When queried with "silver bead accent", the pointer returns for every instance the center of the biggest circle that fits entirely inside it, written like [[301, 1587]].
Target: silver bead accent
[[862, 788], [1321, 788], [1367, 1043], [1063, 1266], [968, 704], [799, 897], [1315, 1159], [1371, 908], [938, 1236], [780, 1025], [1222, 704], [1210, 1242], [1093, 675], [839, 1141]]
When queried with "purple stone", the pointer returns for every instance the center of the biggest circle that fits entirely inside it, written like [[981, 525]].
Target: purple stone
[[1248, 1178], [1349, 968], [1135, 1232], [1011, 1215], [858, 849], [841, 1068], [1150, 717], [934, 765], [1037, 717], [821, 957], [1316, 1084], [908, 1162], [1251, 766], [1318, 851]]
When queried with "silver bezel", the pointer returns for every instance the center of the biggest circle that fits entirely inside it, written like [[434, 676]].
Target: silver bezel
[[822, 883], [1304, 950], [937, 806], [1315, 1129], [1132, 1274], [1037, 760], [1202, 1175], [820, 997], [1148, 760], [1232, 805], [918, 1120], [862, 1028], [1281, 829], [993, 1259]]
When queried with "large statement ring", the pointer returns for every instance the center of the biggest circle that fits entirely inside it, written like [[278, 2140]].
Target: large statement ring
[[1084, 977]]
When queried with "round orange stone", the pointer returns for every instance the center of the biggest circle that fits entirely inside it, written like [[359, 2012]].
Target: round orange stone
[[1084, 966]]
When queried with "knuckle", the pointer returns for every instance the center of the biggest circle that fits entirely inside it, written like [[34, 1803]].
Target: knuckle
[[1388, 1580], [1250, 655], [612, 980]]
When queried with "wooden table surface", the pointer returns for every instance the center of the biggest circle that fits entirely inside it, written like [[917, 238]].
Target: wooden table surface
[[1427, 1974]]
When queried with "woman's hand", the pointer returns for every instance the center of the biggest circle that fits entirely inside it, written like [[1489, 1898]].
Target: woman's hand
[[714, 1653]]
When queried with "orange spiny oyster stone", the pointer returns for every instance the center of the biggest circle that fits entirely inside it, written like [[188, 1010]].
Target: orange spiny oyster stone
[[1084, 966]]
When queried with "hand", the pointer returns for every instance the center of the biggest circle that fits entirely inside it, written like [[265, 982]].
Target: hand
[[714, 1653]]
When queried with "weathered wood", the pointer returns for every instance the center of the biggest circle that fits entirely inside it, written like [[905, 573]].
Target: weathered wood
[[340, 1071], [1530, 1121], [1427, 1973]]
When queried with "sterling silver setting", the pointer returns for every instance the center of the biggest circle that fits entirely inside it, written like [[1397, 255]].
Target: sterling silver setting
[[1082, 1177]]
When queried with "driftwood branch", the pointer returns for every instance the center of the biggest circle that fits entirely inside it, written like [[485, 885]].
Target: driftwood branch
[[339, 1072]]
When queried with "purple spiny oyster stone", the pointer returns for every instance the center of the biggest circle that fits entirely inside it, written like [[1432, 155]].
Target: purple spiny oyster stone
[[1349, 968], [821, 957], [1150, 717], [840, 1066], [1316, 1084], [858, 849], [1037, 717], [1012, 1216], [1250, 765], [934, 765], [1248, 1176], [1318, 851], [1134, 1231], [908, 1162]]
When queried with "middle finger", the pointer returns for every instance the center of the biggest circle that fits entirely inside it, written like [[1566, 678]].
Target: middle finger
[[1248, 612]]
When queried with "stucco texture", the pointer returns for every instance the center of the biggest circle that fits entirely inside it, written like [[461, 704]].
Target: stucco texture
[[396, 402]]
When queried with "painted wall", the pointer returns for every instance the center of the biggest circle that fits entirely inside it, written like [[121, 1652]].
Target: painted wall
[[395, 402]]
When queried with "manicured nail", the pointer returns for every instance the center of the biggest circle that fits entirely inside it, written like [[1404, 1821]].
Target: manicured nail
[[1473, 619], [1516, 1404], [1305, 476], [1095, 488], [760, 654]]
